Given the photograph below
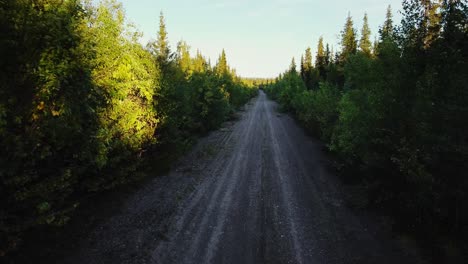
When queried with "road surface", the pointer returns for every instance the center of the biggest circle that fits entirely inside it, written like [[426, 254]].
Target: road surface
[[257, 191]]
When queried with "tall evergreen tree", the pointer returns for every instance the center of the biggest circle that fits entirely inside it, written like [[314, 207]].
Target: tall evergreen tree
[[161, 47], [302, 70], [386, 31], [199, 63], [348, 39], [308, 60], [183, 57], [222, 66], [320, 59], [365, 43], [293, 66], [328, 55]]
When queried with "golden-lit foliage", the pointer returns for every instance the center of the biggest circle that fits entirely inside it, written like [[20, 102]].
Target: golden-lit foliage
[[83, 105]]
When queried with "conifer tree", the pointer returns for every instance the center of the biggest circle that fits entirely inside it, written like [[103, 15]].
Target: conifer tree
[[292, 67], [387, 29], [308, 61], [199, 63], [328, 55], [375, 47], [348, 39], [320, 59], [303, 71], [183, 57], [161, 47], [222, 67], [365, 43]]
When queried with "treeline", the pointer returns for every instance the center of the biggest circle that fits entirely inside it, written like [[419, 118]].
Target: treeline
[[395, 112], [83, 104]]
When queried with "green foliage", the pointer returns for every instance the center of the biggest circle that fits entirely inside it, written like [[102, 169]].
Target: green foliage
[[348, 39], [365, 43], [322, 59], [386, 31], [399, 117], [83, 105], [221, 67], [309, 75]]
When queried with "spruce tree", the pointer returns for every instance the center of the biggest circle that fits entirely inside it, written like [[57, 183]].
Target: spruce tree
[[303, 71], [365, 43], [183, 57], [308, 60], [162, 48], [328, 55], [292, 67], [222, 67], [348, 39], [387, 29], [320, 59], [199, 63]]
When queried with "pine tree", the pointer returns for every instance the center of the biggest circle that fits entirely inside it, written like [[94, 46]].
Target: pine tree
[[328, 55], [303, 71], [308, 60], [199, 63], [161, 46], [375, 47], [365, 43], [221, 67], [292, 67], [348, 39], [320, 59], [183, 57], [387, 29]]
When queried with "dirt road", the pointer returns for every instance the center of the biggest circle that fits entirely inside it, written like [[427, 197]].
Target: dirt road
[[257, 191]]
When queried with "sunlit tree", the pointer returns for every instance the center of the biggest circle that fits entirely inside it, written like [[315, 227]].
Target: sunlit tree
[[348, 39], [365, 44]]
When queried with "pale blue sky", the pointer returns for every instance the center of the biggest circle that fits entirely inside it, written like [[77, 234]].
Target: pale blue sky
[[260, 37]]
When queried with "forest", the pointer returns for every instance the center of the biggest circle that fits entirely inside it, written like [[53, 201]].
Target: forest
[[395, 114], [84, 106]]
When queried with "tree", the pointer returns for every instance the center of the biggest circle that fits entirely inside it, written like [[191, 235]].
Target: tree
[[308, 60], [303, 71], [348, 39], [328, 55], [365, 43], [222, 67], [309, 75], [292, 66], [160, 48], [386, 31], [321, 59], [183, 58], [199, 63]]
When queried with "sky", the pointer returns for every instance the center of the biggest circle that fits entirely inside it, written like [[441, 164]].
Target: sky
[[259, 36]]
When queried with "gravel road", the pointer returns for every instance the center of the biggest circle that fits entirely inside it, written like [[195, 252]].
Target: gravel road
[[256, 191]]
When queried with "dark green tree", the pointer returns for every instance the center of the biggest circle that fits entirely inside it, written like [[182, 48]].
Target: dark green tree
[[328, 55], [160, 47], [321, 59], [365, 44], [348, 39], [386, 31], [293, 66]]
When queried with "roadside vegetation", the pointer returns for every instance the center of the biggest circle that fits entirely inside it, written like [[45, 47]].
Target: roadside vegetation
[[395, 112], [83, 104]]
